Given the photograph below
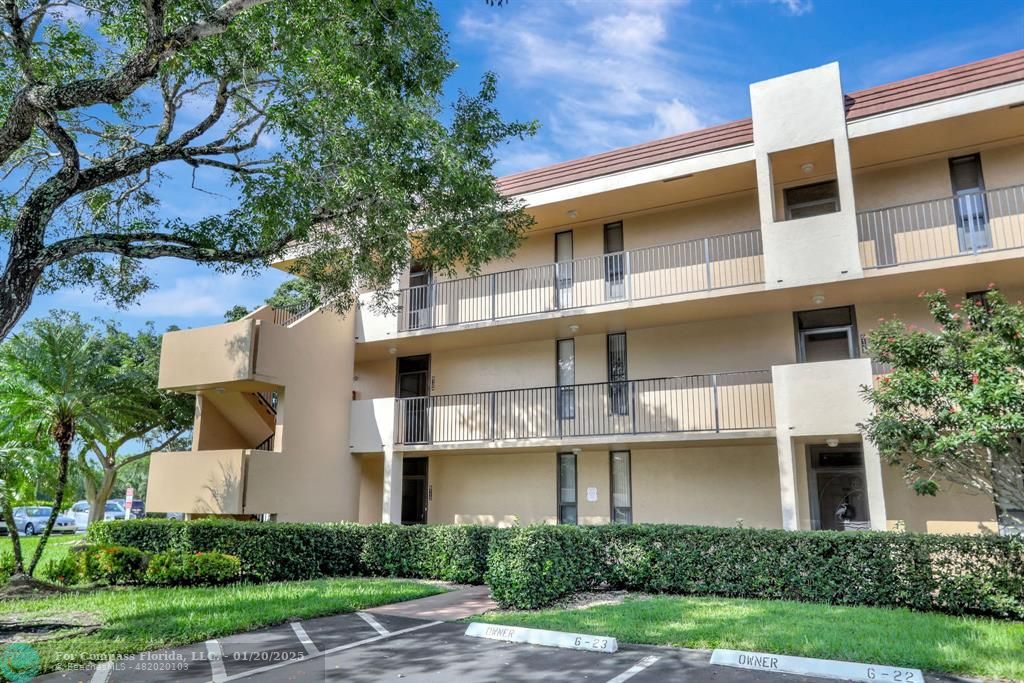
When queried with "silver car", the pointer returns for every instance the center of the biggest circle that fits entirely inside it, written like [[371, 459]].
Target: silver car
[[32, 519]]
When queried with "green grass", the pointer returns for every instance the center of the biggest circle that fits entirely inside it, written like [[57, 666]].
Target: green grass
[[936, 642], [56, 547], [139, 619]]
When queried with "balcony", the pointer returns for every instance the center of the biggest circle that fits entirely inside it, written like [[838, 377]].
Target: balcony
[[692, 266], [724, 402], [966, 225]]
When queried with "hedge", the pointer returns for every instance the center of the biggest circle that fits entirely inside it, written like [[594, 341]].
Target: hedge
[[532, 567], [286, 551]]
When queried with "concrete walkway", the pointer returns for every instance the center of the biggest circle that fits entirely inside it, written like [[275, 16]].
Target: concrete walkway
[[451, 606]]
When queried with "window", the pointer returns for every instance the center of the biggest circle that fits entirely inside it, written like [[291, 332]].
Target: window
[[622, 494], [812, 200], [826, 334], [565, 350], [563, 269], [567, 488], [614, 261], [618, 387]]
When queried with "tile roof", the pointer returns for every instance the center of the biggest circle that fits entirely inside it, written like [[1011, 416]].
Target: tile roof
[[980, 75]]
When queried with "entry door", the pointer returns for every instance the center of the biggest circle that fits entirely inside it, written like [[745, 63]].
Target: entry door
[[414, 386], [839, 500], [563, 269], [614, 262], [421, 296], [414, 490], [969, 203], [565, 351]]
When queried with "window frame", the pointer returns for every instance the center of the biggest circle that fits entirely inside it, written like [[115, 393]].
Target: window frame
[[575, 505], [851, 331], [629, 485], [565, 393], [789, 206]]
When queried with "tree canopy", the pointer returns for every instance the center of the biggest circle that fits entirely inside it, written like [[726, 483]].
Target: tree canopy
[[952, 409], [323, 119]]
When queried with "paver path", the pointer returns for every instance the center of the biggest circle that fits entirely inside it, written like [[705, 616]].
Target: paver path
[[450, 606]]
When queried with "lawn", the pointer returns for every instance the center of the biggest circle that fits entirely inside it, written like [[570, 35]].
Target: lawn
[[139, 619], [55, 547], [936, 642]]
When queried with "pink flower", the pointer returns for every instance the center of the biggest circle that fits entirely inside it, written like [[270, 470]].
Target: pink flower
[[954, 409], [991, 285], [920, 295], [957, 306], [974, 378]]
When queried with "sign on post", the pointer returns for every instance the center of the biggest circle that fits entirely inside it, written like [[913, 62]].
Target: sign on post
[[129, 494]]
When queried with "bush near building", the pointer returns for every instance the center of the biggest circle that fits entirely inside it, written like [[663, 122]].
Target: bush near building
[[534, 566], [531, 567], [293, 551]]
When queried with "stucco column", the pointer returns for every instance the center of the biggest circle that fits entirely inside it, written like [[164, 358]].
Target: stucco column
[[391, 510], [876, 492], [787, 483]]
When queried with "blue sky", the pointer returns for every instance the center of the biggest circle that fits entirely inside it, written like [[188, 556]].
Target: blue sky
[[599, 74]]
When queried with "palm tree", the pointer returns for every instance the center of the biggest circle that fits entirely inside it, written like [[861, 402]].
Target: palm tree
[[52, 380]]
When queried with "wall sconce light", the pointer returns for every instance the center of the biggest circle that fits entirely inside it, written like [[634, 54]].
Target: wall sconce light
[[571, 213], [807, 168], [818, 299], [832, 442], [392, 350], [574, 328]]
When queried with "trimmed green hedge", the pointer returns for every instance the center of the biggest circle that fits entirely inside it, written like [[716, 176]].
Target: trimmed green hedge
[[293, 551], [531, 567]]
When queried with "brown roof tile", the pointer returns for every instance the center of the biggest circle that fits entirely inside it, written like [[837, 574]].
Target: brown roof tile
[[986, 73]]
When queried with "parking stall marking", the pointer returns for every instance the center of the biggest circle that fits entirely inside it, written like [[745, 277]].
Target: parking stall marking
[[635, 669], [304, 638], [324, 653], [216, 655], [376, 625], [102, 673]]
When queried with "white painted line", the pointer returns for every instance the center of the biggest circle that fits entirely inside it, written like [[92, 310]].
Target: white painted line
[[324, 653], [536, 636], [303, 637], [635, 669], [102, 673], [368, 618], [823, 668], [216, 655]]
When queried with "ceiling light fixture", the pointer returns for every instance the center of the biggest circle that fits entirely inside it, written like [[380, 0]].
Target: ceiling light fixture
[[832, 442], [392, 350], [571, 213], [807, 168], [818, 299], [574, 328]]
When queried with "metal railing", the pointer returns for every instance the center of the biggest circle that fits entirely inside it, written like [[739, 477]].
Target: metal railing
[[697, 403], [266, 445], [691, 266], [268, 399], [968, 223], [286, 316]]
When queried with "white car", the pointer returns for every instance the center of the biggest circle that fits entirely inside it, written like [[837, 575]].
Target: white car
[[80, 511]]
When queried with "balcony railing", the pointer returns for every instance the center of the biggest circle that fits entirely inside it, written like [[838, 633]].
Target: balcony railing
[[698, 403], [968, 223], [691, 266]]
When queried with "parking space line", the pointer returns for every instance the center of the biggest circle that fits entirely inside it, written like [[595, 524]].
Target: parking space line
[[102, 673], [368, 618], [216, 655], [300, 633], [324, 653], [635, 669]]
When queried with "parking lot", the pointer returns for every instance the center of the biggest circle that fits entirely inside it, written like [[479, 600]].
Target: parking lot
[[375, 647]]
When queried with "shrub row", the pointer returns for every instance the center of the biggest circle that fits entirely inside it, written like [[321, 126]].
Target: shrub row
[[295, 551], [533, 566], [120, 565]]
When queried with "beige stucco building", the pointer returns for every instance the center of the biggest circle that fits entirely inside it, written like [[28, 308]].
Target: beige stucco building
[[679, 339]]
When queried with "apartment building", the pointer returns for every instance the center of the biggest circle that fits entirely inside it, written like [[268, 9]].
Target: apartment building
[[679, 339]]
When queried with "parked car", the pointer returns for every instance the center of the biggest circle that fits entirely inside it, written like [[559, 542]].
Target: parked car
[[80, 512], [32, 519], [138, 507]]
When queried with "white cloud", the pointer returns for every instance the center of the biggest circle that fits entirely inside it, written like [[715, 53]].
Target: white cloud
[[600, 75], [794, 7]]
